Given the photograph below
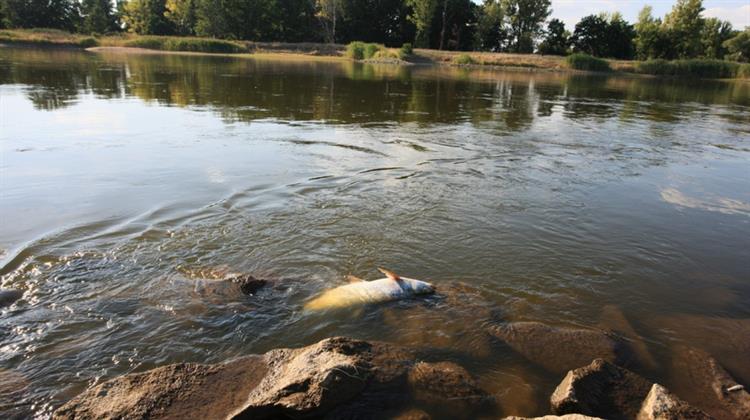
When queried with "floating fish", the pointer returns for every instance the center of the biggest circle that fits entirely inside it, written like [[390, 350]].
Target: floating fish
[[359, 292]]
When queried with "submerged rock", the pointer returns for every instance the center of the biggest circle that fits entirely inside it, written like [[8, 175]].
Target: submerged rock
[[702, 380], [613, 319], [660, 404], [600, 389], [9, 296], [336, 377], [248, 284], [559, 349]]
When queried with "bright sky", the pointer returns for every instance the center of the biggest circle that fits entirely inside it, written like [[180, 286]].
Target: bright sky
[[571, 11]]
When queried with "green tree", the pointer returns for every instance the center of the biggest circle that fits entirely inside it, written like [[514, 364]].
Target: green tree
[[685, 25], [651, 40], [590, 35], [604, 35], [715, 32], [98, 16], [58, 14], [525, 19], [329, 13], [738, 48], [490, 34], [183, 14], [422, 12], [146, 17], [556, 40]]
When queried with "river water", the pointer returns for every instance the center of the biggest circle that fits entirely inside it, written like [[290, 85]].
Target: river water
[[126, 180]]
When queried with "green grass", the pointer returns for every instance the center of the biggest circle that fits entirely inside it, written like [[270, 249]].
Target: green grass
[[165, 43], [46, 37], [580, 61], [463, 60], [715, 69]]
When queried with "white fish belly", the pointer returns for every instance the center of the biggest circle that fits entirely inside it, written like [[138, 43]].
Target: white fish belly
[[359, 293]]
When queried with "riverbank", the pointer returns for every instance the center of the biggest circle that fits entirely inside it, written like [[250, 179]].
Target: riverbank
[[710, 69]]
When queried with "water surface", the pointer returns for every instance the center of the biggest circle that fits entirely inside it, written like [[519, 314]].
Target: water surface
[[126, 179]]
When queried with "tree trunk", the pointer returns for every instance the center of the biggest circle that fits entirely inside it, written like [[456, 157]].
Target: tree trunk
[[442, 29]]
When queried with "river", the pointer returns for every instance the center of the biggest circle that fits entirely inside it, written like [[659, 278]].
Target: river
[[128, 179]]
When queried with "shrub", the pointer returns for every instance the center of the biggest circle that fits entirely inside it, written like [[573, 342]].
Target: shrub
[[463, 60], [186, 44], [371, 49], [407, 49], [717, 69], [88, 42], [359, 50], [356, 50], [743, 72], [586, 62]]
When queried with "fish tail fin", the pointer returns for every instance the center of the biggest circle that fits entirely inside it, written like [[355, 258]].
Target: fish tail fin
[[390, 274]]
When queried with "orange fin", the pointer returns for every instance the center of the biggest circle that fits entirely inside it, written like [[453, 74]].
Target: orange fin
[[390, 274], [353, 279]]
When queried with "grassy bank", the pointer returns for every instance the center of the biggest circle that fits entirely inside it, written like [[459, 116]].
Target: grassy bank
[[717, 69]]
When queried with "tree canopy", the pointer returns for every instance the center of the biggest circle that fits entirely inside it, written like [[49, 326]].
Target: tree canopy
[[520, 26]]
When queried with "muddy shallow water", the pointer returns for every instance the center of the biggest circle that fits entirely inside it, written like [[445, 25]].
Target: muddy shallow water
[[129, 181]]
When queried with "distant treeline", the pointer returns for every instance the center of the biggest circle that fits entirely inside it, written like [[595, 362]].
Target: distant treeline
[[519, 26]]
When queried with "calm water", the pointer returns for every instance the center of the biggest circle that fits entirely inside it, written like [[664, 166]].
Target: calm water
[[124, 179]]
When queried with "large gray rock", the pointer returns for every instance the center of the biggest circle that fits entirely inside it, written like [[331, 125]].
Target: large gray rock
[[660, 404], [559, 349], [337, 377], [600, 389], [700, 379]]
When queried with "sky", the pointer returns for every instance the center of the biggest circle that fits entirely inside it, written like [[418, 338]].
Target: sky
[[571, 11]]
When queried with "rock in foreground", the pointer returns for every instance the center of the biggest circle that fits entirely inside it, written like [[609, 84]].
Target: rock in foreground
[[336, 377], [602, 389]]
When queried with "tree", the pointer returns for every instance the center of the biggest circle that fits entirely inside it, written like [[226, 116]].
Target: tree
[[183, 15], [490, 34], [556, 40], [715, 32], [604, 35], [58, 14], [620, 36], [328, 11], [421, 15], [98, 16], [146, 17], [738, 48], [590, 35], [651, 40], [685, 24], [525, 19]]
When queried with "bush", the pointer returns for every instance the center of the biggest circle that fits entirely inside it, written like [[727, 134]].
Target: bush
[[88, 42], [743, 72], [356, 50], [185, 44], [406, 49], [371, 49], [716, 69], [359, 50], [586, 62], [463, 60]]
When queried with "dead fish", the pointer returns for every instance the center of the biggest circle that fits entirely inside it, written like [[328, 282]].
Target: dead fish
[[360, 292], [734, 388]]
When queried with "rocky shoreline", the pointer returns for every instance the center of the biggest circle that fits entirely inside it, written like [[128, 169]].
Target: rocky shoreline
[[347, 378]]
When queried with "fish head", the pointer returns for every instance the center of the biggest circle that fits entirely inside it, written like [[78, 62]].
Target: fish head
[[417, 287]]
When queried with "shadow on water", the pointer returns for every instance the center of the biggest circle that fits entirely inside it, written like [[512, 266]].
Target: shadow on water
[[133, 183]]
